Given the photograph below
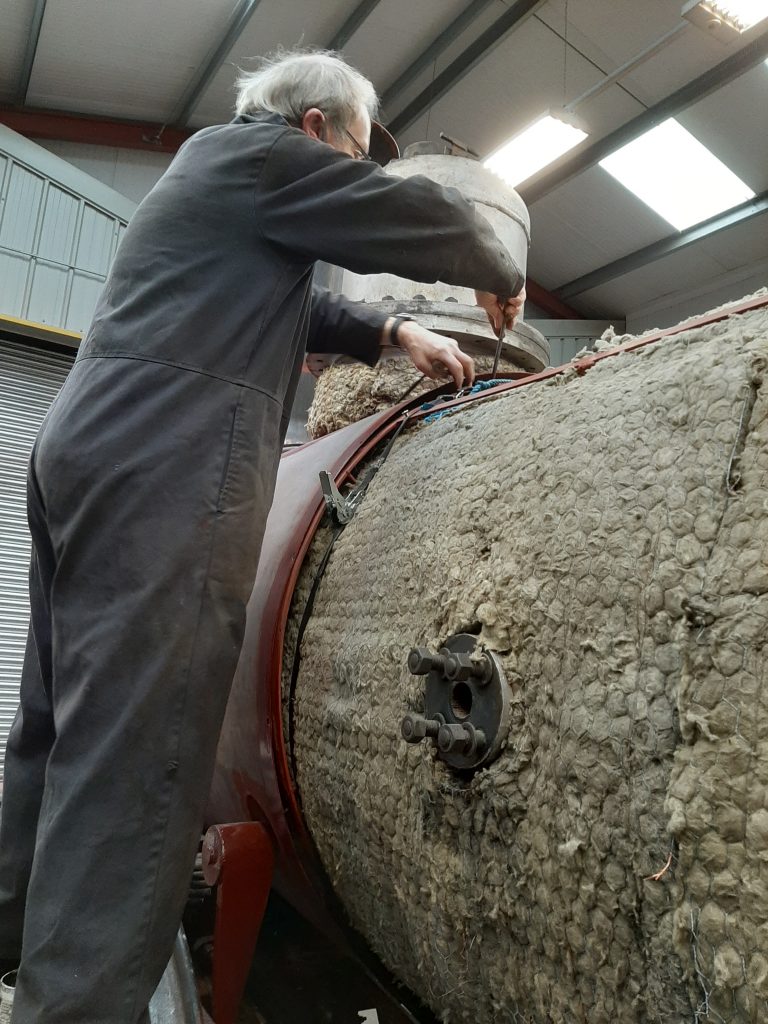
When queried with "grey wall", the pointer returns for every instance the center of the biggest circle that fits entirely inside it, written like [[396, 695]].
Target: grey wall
[[130, 172], [567, 337]]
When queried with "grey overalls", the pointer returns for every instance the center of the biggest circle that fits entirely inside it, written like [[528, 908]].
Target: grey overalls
[[149, 488]]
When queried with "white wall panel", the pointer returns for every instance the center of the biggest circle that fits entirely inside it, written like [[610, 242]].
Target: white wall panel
[[14, 269], [22, 150], [94, 247], [58, 235], [85, 290], [59, 225], [21, 208], [48, 293]]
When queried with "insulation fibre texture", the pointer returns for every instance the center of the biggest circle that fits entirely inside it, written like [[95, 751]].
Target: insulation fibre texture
[[607, 537], [348, 392]]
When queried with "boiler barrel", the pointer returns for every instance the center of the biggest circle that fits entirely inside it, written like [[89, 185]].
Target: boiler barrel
[[606, 540], [602, 537]]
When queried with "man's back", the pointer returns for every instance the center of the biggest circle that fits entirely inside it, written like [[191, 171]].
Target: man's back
[[194, 282]]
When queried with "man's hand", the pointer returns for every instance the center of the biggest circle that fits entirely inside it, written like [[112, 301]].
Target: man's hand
[[497, 307], [435, 355]]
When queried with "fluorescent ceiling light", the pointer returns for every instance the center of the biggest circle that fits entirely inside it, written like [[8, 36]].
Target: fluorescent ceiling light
[[738, 14], [745, 13], [676, 175], [533, 148]]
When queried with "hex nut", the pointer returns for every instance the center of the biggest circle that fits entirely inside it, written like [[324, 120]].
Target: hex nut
[[413, 728], [459, 667], [452, 739], [421, 661]]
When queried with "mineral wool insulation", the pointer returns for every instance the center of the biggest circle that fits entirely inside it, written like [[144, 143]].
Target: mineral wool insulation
[[347, 392], [607, 536]]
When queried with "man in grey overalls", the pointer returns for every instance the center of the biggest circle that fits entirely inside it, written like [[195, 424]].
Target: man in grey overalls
[[149, 487]]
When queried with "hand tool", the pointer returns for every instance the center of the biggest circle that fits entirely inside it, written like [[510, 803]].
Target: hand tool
[[499, 340]]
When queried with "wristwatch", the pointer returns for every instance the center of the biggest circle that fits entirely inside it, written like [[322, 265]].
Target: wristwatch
[[396, 321]]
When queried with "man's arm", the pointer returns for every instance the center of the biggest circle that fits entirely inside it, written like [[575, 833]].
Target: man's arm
[[338, 325], [319, 204]]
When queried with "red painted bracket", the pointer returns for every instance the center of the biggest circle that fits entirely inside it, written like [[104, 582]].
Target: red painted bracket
[[239, 860]]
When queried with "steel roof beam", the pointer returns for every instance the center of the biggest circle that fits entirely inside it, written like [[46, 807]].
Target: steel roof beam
[[488, 40], [353, 23], [191, 95], [98, 131], [587, 154], [665, 247], [548, 302], [449, 34], [29, 54]]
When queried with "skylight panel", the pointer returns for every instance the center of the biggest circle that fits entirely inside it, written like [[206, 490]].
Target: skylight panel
[[533, 148], [678, 177]]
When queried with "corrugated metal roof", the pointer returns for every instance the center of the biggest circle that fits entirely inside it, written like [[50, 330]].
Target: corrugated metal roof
[[16, 18], [127, 60], [733, 123], [136, 60], [402, 30], [274, 23]]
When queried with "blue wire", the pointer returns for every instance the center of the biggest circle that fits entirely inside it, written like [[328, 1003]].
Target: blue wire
[[482, 385]]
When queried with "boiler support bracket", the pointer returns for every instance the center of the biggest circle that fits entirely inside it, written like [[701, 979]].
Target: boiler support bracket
[[239, 860]]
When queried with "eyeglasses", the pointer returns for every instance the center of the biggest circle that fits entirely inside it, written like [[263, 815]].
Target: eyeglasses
[[360, 153]]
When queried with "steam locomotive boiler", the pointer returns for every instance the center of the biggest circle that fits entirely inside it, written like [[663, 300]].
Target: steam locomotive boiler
[[500, 708]]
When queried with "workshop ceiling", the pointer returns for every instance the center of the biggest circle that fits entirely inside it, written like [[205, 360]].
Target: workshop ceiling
[[176, 61]]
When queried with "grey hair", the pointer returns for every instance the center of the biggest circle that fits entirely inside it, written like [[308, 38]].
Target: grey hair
[[290, 82]]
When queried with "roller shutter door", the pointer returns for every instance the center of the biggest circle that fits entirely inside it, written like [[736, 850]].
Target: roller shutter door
[[30, 378]]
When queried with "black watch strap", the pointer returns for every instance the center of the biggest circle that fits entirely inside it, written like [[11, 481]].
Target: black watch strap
[[396, 321]]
